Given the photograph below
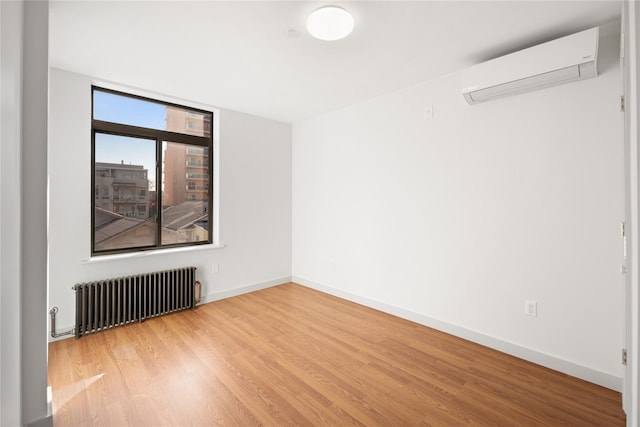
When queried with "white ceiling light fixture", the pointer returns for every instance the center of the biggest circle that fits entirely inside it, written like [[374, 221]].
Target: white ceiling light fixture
[[330, 23]]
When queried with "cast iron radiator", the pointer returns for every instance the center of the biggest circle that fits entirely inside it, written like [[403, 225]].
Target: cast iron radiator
[[107, 303]]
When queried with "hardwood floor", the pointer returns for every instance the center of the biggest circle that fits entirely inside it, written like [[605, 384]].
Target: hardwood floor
[[289, 355]]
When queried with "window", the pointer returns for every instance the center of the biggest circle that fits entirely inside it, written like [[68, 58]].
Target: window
[[151, 161]]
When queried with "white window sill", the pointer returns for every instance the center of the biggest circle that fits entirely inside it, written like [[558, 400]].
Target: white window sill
[[144, 254]]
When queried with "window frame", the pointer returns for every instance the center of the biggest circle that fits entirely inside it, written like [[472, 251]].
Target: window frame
[[160, 136]]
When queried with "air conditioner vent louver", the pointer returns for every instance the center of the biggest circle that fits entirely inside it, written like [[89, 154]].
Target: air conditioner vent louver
[[556, 62]]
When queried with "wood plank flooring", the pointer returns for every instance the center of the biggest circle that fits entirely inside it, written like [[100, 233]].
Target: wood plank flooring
[[292, 356]]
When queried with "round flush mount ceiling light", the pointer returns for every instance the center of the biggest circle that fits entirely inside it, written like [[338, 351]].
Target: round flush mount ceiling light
[[330, 23]]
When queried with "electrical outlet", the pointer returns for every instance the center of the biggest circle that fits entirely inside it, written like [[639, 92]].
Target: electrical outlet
[[215, 267], [531, 308]]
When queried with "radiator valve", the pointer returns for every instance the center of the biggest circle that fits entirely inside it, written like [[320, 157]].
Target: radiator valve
[[197, 292]]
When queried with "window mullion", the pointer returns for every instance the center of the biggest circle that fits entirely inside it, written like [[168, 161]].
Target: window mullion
[[93, 185], [159, 196], [123, 129]]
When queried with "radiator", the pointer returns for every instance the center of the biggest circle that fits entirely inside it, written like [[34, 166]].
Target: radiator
[[113, 302]]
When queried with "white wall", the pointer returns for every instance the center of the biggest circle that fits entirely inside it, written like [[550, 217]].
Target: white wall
[[11, 14], [254, 210], [33, 215], [454, 221], [631, 399], [23, 213]]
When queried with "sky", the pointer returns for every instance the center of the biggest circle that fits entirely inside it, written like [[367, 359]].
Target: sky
[[130, 111], [131, 151]]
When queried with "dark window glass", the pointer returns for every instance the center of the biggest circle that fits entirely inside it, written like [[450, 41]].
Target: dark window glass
[[185, 193], [124, 173]]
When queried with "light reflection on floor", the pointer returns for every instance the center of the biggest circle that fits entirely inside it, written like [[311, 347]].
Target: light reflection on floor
[[58, 398]]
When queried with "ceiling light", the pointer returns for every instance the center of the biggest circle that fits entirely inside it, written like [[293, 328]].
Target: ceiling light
[[330, 23]]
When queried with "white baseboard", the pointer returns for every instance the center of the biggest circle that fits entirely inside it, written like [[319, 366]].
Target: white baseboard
[[588, 374], [244, 290]]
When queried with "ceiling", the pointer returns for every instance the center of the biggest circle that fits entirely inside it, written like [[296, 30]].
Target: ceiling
[[256, 57]]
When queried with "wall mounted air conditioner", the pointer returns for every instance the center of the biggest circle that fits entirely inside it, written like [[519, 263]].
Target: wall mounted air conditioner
[[556, 62]]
